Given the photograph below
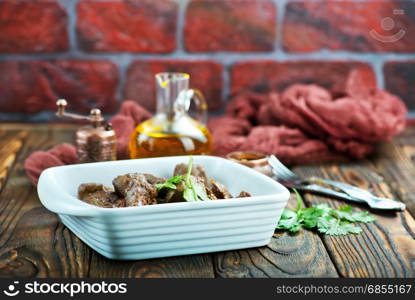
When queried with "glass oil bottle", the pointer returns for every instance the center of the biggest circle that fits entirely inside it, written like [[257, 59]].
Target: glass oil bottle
[[172, 131]]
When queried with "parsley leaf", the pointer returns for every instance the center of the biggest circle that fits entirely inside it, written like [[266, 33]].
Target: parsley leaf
[[193, 191], [299, 200], [311, 216], [189, 196], [289, 221], [325, 219], [189, 193], [332, 226], [200, 190], [346, 213], [170, 183]]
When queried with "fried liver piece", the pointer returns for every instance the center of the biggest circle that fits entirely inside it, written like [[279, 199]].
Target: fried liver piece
[[170, 196], [137, 189], [210, 194], [153, 179], [99, 195], [243, 194], [197, 171], [219, 190]]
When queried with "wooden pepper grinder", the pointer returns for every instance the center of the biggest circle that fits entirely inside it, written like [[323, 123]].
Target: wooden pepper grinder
[[94, 142]]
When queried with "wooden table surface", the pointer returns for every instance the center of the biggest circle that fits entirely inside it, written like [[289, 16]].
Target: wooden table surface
[[33, 243]]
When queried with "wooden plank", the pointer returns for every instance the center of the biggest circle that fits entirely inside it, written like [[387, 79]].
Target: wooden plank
[[396, 163], [58, 126], [287, 255], [10, 144], [190, 266], [385, 248], [33, 243], [31, 237]]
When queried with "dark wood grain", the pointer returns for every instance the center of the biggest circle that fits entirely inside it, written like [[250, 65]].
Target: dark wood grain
[[30, 237], [287, 255], [11, 143], [385, 248], [34, 243], [396, 163], [190, 266]]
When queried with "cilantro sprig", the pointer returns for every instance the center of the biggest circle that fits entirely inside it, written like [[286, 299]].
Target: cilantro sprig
[[170, 183], [193, 190], [325, 219]]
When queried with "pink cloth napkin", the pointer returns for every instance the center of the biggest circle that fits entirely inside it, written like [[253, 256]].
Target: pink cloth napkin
[[131, 114], [36, 162], [306, 124]]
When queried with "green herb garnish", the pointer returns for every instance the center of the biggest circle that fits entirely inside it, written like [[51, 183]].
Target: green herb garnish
[[193, 191], [325, 219], [170, 183]]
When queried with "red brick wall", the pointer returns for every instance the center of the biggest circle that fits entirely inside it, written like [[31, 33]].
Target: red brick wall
[[96, 53]]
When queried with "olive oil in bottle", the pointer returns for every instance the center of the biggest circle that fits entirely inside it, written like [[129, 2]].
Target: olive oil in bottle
[[172, 131]]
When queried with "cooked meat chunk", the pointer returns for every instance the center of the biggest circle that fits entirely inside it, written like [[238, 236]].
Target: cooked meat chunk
[[153, 179], [170, 196], [86, 189], [244, 194], [197, 171], [219, 190], [210, 194], [99, 195], [137, 189], [118, 201], [180, 169]]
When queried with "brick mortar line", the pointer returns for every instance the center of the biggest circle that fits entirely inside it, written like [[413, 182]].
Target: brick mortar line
[[182, 7], [226, 86], [70, 8], [281, 7], [222, 57], [378, 70]]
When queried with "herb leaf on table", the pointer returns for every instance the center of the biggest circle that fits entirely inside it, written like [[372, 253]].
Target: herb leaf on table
[[325, 219]]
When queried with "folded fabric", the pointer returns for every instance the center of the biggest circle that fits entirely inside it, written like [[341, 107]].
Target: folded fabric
[[289, 144], [131, 114], [306, 123], [64, 154]]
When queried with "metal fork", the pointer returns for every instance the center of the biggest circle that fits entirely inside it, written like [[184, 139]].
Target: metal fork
[[330, 187]]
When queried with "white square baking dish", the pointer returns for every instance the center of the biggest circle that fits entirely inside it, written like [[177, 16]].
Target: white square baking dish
[[166, 229]]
